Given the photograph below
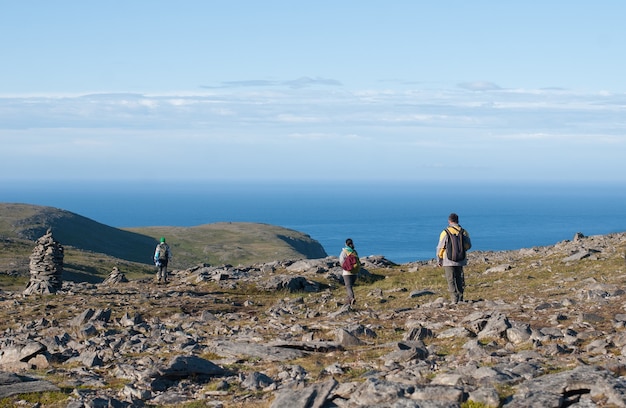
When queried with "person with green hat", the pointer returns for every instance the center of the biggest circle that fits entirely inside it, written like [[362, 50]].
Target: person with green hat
[[162, 256]]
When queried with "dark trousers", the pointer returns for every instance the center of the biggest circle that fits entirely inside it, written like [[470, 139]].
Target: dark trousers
[[456, 282], [349, 280]]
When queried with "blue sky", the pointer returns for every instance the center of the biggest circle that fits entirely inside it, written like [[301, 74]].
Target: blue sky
[[313, 90]]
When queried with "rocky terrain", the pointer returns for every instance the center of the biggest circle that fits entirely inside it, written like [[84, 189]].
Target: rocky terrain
[[541, 327]]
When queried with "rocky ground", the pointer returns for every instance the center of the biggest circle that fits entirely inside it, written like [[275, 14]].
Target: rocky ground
[[541, 327]]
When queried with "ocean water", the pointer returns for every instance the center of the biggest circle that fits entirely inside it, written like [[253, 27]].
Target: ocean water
[[401, 221]]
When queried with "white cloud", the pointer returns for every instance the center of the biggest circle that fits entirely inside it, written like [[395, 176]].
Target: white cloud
[[180, 102], [238, 132]]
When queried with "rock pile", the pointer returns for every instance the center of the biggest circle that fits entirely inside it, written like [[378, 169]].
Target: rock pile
[[46, 266], [115, 277]]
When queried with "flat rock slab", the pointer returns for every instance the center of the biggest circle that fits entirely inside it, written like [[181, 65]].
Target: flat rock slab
[[267, 353], [552, 389], [314, 346], [13, 384], [313, 396]]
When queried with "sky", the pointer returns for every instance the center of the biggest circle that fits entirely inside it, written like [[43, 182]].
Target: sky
[[439, 91]]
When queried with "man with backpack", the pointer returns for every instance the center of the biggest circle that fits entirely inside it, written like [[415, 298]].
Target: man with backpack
[[162, 256], [454, 242]]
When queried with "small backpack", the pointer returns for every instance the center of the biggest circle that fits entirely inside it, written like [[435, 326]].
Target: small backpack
[[455, 247], [162, 252], [350, 263]]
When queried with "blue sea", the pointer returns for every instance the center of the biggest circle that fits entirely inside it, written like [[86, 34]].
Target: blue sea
[[401, 221]]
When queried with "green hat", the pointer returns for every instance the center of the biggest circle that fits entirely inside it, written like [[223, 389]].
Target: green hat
[[162, 239]]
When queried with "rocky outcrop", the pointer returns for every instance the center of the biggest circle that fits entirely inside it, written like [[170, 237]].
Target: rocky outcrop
[[46, 266], [302, 273]]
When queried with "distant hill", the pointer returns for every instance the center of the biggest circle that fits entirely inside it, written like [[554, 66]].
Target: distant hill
[[234, 243], [219, 243], [26, 221]]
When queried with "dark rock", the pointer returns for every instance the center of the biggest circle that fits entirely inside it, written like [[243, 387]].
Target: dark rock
[[291, 283], [13, 384], [187, 366]]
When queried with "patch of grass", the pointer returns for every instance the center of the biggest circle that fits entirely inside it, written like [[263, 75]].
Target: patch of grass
[[505, 391], [13, 283], [393, 291], [210, 356], [354, 374], [474, 404], [99, 266], [49, 399], [197, 404], [450, 346], [216, 384]]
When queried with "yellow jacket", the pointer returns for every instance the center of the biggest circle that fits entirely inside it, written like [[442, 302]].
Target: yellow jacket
[[441, 246]]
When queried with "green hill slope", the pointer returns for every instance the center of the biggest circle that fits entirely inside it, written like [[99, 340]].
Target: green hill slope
[[220, 243], [234, 243], [25, 221]]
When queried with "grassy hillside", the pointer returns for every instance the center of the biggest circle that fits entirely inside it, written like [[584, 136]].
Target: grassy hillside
[[234, 243], [29, 222], [92, 248]]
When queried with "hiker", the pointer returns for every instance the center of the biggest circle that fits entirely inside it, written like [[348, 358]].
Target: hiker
[[351, 264], [162, 256], [452, 248]]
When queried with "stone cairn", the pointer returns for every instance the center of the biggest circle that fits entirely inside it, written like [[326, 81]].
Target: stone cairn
[[115, 277], [46, 266]]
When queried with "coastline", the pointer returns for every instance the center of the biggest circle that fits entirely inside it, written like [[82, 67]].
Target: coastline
[[400, 221]]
